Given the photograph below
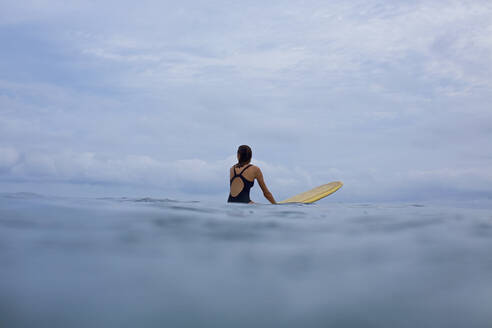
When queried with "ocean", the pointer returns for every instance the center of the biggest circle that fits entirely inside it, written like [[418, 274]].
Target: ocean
[[144, 262]]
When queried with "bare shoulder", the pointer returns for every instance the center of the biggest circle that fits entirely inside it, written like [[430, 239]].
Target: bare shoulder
[[256, 170]]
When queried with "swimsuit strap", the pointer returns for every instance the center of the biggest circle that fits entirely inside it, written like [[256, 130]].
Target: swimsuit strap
[[240, 173], [244, 169]]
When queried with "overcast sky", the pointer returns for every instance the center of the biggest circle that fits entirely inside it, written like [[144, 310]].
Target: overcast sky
[[152, 98]]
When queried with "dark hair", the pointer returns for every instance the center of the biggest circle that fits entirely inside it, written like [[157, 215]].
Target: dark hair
[[245, 154]]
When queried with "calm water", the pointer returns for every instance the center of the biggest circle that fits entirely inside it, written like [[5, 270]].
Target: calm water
[[119, 262]]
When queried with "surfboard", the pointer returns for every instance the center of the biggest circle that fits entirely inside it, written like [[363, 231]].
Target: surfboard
[[315, 194]]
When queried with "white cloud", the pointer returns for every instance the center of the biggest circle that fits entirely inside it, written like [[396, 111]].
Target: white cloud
[[189, 175], [366, 92]]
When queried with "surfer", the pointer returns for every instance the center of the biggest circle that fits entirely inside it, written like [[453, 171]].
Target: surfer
[[242, 178]]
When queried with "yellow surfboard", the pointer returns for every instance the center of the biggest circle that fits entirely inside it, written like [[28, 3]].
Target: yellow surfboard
[[314, 194]]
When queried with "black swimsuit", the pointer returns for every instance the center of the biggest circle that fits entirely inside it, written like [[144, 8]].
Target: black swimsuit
[[243, 196]]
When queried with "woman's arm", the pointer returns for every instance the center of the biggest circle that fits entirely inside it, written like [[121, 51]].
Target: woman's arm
[[268, 195]]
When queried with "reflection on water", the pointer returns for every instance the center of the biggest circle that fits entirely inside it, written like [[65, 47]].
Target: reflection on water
[[121, 262]]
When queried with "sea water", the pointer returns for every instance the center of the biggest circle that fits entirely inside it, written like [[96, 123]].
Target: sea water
[[121, 262]]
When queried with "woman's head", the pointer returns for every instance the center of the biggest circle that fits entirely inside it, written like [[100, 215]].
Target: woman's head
[[244, 154]]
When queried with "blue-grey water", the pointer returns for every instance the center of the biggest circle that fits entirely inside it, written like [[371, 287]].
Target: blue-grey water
[[122, 262]]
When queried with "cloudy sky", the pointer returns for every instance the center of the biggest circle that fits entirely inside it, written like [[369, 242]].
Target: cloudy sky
[[152, 98]]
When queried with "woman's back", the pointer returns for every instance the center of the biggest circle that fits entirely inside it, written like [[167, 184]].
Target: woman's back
[[241, 182], [242, 178]]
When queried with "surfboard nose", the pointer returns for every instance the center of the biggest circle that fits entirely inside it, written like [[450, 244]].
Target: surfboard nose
[[315, 194]]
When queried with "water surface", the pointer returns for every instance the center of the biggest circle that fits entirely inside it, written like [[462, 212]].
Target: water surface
[[125, 262]]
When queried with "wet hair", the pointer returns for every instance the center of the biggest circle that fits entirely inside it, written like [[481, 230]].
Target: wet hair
[[245, 154]]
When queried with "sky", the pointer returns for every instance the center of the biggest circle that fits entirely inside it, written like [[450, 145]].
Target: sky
[[152, 98]]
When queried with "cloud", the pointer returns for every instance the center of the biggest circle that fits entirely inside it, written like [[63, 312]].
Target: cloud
[[194, 176], [197, 177], [157, 94]]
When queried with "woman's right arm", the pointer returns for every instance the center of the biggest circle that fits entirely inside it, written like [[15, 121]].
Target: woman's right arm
[[268, 195]]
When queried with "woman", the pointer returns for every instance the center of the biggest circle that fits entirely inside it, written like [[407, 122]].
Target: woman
[[242, 178]]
